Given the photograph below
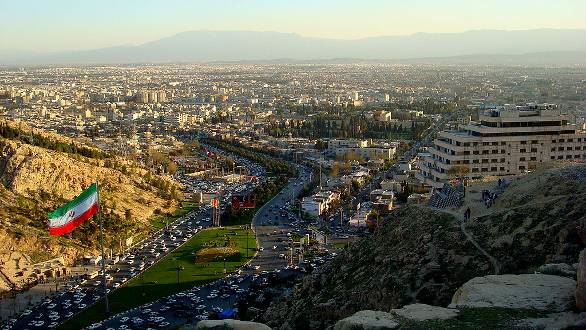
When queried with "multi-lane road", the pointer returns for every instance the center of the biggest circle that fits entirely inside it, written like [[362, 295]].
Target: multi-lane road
[[273, 225]]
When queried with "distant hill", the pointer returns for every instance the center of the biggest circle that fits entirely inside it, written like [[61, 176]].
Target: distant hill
[[542, 46]]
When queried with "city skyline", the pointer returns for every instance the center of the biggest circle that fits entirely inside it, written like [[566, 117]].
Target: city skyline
[[66, 25]]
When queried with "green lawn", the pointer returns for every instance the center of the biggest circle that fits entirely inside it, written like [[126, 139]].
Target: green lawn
[[161, 279]]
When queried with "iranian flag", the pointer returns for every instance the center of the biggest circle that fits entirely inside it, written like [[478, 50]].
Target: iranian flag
[[69, 216]]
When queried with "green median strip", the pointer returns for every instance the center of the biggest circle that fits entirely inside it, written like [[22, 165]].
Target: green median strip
[[180, 270]]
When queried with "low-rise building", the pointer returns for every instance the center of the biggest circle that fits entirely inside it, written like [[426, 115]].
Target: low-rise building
[[319, 203]]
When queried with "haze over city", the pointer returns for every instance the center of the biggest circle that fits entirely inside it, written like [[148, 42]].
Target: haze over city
[[73, 25], [291, 165]]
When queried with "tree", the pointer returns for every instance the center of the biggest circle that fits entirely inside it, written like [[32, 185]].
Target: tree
[[128, 215], [335, 170], [171, 167], [458, 171]]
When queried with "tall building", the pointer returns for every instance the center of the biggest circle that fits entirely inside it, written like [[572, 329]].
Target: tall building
[[153, 97], [142, 97], [162, 96], [506, 140]]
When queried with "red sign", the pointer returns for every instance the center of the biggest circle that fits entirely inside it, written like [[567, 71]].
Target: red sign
[[215, 203], [243, 202]]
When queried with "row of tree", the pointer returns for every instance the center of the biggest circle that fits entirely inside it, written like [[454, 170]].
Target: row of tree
[[349, 125], [13, 133], [269, 161]]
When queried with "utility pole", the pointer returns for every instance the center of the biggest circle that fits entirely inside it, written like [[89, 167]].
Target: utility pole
[[320, 177], [107, 309]]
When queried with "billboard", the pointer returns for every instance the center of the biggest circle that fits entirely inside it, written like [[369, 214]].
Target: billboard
[[243, 202], [215, 203]]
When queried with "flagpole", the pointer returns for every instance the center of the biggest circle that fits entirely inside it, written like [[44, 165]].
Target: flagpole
[[102, 247]]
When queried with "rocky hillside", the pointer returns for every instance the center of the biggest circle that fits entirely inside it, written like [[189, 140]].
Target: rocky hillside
[[34, 180], [536, 220], [421, 255]]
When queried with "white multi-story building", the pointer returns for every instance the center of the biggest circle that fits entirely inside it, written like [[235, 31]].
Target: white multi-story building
[[361, 148], [319, 203], [177, 119], [506, 140]]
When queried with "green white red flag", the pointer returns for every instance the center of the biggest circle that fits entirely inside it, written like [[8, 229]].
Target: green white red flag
[[71, 215]]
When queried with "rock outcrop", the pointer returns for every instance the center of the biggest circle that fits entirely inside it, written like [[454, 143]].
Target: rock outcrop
[[541, 292], [227, 325], [368, 320], [558, 269], [424, 312]]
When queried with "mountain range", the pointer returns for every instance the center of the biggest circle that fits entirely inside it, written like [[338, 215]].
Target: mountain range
[[541, 46]]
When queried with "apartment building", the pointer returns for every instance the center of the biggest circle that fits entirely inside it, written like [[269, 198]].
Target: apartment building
[[506, 140], [319, 203], [361, 148]]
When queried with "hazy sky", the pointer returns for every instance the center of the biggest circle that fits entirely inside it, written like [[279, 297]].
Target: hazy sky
[[81, 24]]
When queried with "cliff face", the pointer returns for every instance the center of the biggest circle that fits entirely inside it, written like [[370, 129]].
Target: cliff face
[[420, 255], [34, 180]]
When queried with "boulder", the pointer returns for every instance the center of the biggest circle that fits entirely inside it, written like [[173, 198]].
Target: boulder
[[526, 291], [228, 325], [558, 269], [368, 320], [581, 282], [423, 312]]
